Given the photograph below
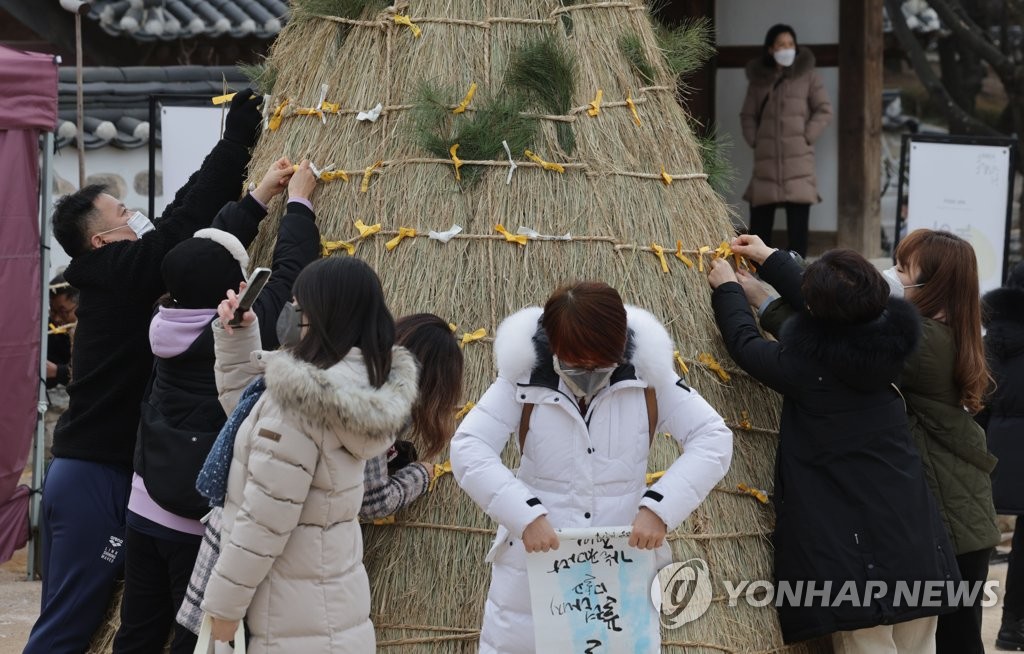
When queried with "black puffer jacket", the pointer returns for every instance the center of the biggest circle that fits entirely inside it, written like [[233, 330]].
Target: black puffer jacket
[[181, 415], [1004, 345], [851, 498], [118, 285]]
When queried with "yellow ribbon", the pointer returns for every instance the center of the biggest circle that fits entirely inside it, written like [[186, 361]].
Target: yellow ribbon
[[222, 99], [452, 326], [632, 107], [521, 239], [466, 408], [682, 257], [723, 251], [660, 253], [275, 120], [365, 230], [466, 100], [329, 247], [757, 494], [469, 337], [365, 186], [714, 366], [679, 362], [330, 107], [665, 177], [654, 476], [440, 470], [402, 233], [546, 165], [739, 261], [745, 421], [456, 161], [63, 329], [704, 249], [405, 20], [331, 175], [595, 106]]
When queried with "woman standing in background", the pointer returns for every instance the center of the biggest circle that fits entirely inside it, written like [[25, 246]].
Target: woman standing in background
[[785, 111]]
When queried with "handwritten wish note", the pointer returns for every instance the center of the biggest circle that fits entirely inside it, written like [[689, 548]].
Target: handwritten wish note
[[592, 595]]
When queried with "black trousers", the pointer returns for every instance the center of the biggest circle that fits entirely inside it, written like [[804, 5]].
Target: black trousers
[[762, 219], [156, 573], [1013, 596], [960, 632]]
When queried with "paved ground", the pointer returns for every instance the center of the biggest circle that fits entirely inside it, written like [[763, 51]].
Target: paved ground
[[19, 605]]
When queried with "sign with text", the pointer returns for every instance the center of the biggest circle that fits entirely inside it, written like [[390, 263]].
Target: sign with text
[[592, 595], [964, 186]]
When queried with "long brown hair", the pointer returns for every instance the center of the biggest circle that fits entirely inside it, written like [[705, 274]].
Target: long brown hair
[[948, 271], [431, 341], [586, 324]]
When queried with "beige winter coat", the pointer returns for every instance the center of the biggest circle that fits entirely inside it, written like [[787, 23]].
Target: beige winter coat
[[291, 554], [794, 116]]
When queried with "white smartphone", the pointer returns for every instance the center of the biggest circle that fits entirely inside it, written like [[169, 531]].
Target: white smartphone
[[257, 280]]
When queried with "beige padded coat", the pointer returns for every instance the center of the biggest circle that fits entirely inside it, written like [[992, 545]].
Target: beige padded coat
[[795, 114], [292, 550]]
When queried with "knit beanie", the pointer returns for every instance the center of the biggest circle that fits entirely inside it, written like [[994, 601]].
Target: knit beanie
[[199, 271]]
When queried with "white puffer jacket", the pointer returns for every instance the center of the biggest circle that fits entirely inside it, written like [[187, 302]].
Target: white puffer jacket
[[583, 476], [291, 554]]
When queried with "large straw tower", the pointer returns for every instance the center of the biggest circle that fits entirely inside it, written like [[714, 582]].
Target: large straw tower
[[577, 83]]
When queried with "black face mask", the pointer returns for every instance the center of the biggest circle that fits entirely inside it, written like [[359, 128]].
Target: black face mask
[[289, 325]]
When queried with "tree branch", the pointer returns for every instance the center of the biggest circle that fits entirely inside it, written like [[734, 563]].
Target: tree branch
[[950, 109], [973, 36]]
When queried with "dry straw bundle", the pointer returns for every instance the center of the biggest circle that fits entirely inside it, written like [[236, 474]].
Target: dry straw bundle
[[613, 188]]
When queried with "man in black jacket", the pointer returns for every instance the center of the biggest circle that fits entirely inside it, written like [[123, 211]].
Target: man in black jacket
[[115, 264]]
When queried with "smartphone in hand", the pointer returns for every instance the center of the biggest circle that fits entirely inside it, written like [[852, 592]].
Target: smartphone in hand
[[253, 286]]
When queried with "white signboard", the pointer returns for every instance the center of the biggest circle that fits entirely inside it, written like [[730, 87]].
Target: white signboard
[[592, 595], [963, 188], [188, 134]]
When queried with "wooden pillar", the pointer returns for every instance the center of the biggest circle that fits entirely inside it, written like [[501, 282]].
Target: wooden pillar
[[859, 110]]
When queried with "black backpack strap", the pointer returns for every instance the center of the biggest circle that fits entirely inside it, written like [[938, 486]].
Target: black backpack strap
[[764, 103]]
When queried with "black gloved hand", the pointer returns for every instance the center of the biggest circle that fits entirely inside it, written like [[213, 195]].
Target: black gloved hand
[[404, 454], [244, 119]]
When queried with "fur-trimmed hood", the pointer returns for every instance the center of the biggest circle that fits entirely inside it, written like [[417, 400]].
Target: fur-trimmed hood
[[521, 346], [340, 402], [1004, 318], [863, 356], [758, 73]]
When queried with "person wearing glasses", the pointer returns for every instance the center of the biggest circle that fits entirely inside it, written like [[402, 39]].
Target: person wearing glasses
[[584, 383], [115, 264]]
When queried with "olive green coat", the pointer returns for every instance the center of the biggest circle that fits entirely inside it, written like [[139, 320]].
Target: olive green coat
[[952, 444]]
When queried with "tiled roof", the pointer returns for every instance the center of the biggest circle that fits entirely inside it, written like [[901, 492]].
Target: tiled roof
[[168, 20], [117, 100]]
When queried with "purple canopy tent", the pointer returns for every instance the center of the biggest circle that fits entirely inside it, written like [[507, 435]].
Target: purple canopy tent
[[28, 106]]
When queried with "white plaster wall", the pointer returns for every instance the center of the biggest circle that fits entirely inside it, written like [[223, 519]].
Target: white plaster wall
[[126, 163], [744, 22]]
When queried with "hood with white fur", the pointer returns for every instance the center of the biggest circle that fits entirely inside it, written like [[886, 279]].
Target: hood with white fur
[[339, 400], [520, 343]]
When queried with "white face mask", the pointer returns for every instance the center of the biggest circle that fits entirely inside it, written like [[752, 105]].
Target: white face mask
[[896, 287], [785, 57], [139, 224], [583, 383]]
